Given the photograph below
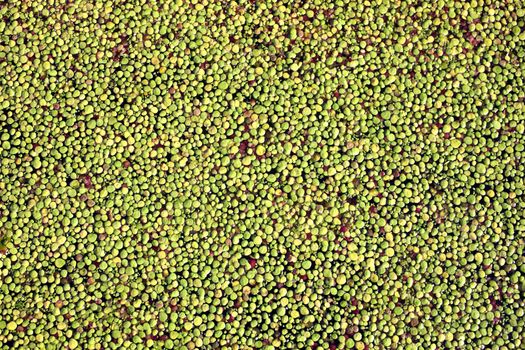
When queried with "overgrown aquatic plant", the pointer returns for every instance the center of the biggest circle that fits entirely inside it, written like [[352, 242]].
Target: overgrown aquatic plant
[[315, 174]]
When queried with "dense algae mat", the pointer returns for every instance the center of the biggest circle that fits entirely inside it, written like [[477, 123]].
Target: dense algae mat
[[254, 175]]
